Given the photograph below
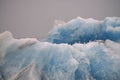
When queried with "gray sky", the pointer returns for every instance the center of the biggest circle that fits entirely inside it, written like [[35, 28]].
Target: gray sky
[[34, 18]]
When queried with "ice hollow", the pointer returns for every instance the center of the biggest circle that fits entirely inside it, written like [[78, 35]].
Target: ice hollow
[[93, 55]]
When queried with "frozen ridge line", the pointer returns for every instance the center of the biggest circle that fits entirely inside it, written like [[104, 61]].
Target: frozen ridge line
[[94, 58]]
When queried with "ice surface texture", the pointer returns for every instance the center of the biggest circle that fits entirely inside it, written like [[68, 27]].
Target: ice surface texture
[[85, 30], [89, 50]]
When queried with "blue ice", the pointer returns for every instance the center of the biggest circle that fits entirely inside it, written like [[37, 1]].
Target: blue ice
[[85, 30], [81, 49]]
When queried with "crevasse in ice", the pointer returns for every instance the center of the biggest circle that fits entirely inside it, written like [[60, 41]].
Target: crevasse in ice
[[81, 49]]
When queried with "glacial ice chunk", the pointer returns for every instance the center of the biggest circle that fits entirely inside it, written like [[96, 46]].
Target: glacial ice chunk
[[85, 30], [89, 50]]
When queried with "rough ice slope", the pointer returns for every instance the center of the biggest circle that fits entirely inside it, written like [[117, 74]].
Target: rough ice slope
[[85, 30], [97, 57]]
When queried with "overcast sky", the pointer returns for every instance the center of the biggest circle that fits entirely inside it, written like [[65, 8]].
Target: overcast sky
[[34, 18]]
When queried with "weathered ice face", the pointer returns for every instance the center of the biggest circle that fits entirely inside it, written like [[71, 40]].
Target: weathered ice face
[[82, 49]]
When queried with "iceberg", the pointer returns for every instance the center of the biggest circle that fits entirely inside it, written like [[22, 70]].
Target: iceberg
[[81, 49], [85, 30]]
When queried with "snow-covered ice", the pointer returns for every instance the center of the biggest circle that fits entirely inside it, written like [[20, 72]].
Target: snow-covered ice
[[81, 49]]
